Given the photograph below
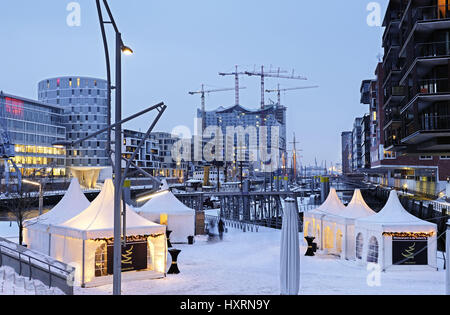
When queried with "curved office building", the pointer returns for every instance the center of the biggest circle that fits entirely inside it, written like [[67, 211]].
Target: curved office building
[[84, 101]]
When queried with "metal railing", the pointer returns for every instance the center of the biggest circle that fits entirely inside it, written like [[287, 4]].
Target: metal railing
[[430, 13], [245, 226], [18, 257]]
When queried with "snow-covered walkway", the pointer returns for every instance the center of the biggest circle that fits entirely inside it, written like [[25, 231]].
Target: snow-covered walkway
[[13, 284], [248, 264]]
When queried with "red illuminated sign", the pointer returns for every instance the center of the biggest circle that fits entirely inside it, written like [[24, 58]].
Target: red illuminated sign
[[14, 106]]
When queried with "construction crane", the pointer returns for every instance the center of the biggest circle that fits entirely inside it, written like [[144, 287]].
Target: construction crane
[[269, 74], [236, 88], [203, 93], [237, 74], [278, 91]]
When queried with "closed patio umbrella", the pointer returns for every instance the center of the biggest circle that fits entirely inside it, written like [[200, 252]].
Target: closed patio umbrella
[[290, 251]]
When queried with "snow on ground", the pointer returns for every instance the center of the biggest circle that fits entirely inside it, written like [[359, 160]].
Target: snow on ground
[[9, 230], [12, 284], [248, 264]]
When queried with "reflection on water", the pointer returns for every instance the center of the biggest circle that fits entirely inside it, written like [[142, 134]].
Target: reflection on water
[[8, 216]]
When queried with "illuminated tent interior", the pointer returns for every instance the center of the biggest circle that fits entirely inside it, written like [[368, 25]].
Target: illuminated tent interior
[[338, 227], [395, 239], [164, 208], [86, 241], [313, 220], [36, 231]]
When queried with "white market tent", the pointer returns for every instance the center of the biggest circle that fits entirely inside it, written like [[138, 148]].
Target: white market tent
[[313, 221], [166, 209], [345, 245], [337, 224], [36, 231], [86, 239], [395, 239]]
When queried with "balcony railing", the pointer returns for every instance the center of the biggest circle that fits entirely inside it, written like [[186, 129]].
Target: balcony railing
[[426, 87], [429, 122], [434, 49], [430, 13], [433, 86]]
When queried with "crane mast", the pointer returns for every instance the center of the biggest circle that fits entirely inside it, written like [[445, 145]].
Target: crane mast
[[203, 93], [270, 74]]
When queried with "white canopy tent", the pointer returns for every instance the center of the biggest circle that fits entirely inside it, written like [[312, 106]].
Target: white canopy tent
[[337, 224], [313, 221], [166, 209], [86, 241], [36, 231], [395, 239], [345, 245]]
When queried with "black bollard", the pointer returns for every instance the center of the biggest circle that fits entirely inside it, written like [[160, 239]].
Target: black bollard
[[174, 266], [312, 247], [169, 244]]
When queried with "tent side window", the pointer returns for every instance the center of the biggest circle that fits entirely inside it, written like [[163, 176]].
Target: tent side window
[[359, 245], [101, 263], [372, 256]]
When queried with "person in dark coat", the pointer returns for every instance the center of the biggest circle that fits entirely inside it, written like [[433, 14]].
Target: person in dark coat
[[221, 227]]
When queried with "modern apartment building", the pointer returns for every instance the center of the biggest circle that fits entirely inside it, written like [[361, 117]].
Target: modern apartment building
[[417, 72], [32, 127], [357, 161], [148, 157], [347, 152], [155, 157], [84, 101], [420, 173]]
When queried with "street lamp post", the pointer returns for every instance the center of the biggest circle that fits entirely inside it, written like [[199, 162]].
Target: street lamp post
[[118, 172], [120, 48]]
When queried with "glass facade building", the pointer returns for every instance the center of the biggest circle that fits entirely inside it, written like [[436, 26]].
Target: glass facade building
[[84, 101], [32, 127], [235, 116]]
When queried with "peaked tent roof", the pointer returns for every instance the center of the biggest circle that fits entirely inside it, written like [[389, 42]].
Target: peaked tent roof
[[358, 207], [393, 214], [97, 221], [73, 203], [166, 203], [332, 205]]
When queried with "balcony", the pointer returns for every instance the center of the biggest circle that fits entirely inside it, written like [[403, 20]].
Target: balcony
[[431, 13], [393, 93], [392, 119], [433, 133], [432, 50], [429, 91]]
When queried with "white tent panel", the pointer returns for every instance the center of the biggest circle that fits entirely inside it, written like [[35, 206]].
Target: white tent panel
[[36, 230], [82, 240], [97, 221], [165, 206], [374, 245]]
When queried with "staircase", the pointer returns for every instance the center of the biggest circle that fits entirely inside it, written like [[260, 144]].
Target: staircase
[[13, 284]]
